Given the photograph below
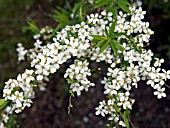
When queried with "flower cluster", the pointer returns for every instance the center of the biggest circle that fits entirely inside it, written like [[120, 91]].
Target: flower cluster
[[120, 81], [20, 91], [21, 52], [77, 74], [126, 69]]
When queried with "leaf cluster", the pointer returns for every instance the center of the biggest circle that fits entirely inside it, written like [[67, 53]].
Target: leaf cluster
[[113, 5], [109, 39], [71, 15]]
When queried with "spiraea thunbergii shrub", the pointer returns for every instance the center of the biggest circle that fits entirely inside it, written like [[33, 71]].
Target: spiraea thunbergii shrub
[[114, 33]]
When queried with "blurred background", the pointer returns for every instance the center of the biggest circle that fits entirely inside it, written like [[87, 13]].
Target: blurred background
[[49, 109]]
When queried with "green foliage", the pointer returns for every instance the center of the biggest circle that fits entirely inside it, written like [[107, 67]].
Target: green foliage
[[103, 41], [113, 5], [31, 27], [11, 123], [104, 45], [71, 81], [3, 103], [99, 3], [125, 119], [123, 4], [61, 16], [70, 15]]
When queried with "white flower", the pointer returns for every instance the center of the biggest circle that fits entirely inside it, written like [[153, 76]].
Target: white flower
[[110, 89], [101, 109], [140, 13], [154, 73], [28, 76], [21, 52], [124, 100], [93, 18], [17, 96], [151, 82], [76, 88], [2, 125], [121, 123], [5, 118], [40, 77], [160, 93], [167, 74]]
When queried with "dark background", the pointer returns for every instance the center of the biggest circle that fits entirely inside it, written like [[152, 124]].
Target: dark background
[[49, 109]]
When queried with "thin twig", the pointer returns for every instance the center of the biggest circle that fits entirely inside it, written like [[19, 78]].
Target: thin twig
[[167, 86], [131, 122], [40, 8], [70, 105]]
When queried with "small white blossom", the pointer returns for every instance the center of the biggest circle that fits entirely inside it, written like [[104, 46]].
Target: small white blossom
[[160, 93]]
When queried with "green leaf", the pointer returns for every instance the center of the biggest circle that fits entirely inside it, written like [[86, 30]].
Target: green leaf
[[123, 6], [114, 10], [100, 3], [71, 92], [125, 2], [101, 43], [76, 7], [60, 26], [125, 119], [104, 46], [80, 14], [113, 48], [68, 5], [117, 108], [117, 45], [71, 81], [118, 34], [127, 112], [112, 28], [61, 15], [97, 38], [31, 26], [3, 103]]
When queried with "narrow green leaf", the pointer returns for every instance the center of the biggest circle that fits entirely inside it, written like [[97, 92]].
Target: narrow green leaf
[[114, 11], [125, 2], [97, 38], [101, 43], [100, 3], [71, 81], [76, 6], [61, 15], [118, 45], [104, 46], [118, 34], [125, 119], [60, 9], [3, 103], [68, 5], [80, 14], [60, 26], [31, 26], [123, 6], [127, 112], [117, 108], [113, 48], [112, 28]]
